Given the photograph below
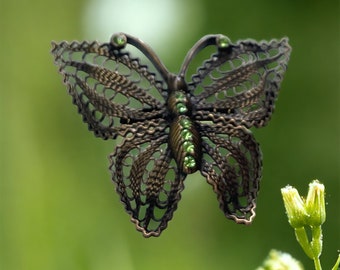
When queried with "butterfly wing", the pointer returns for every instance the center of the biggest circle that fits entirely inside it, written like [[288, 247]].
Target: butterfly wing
[[147, 178], [235, 89], [116, 95], [240, 82], [109, 87], [232, 164]]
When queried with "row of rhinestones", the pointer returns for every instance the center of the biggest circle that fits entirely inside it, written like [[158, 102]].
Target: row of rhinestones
[[186, 134], [188, 145], [180, 103]]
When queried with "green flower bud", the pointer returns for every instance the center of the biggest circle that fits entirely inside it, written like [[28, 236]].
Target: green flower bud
[[280, 260], [295, 207], [315, 204]]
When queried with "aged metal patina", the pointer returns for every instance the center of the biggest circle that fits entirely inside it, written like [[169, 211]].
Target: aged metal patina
[[173, 125]]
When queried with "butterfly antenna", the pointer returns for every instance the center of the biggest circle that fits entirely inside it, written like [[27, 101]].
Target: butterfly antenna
[[220, 41], [120, 40]]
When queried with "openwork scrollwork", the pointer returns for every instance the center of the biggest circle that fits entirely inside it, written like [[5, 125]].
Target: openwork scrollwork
[[172, 126]]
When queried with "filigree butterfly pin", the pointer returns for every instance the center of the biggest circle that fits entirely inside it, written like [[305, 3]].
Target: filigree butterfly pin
[[172, 126]]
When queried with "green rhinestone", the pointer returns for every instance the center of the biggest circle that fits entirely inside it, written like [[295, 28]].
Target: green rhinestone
[[189, 147], [119, 40], [223, 42], [186, 134], [180, 97], [181, 108], [189, 162], [185, 123]]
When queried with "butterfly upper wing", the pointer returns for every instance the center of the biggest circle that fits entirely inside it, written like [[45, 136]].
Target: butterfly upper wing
[[232, 164], [111, 89], [240, 82], [147, 178]]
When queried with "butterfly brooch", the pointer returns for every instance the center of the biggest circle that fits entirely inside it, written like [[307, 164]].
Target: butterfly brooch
[[171, 125]]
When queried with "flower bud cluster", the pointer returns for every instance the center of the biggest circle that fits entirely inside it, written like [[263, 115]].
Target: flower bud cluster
[[305, 212]]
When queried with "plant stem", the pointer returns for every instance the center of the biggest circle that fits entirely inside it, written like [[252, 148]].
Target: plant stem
[[316, 245], [301, 237], [336, 266], [317, 264], [316, 242]]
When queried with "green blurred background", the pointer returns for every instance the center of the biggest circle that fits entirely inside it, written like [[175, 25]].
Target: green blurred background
[[58, 208]]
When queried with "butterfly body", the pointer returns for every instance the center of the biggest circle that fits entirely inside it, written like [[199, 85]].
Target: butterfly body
[[184, 138], [171, 127]]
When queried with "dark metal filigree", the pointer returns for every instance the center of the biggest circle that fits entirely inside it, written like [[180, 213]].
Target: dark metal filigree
[[171, 128]]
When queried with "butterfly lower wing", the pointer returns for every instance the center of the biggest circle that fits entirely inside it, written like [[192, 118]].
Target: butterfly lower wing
[[108, 86], [147, 180], [232, 164], [241, 82]]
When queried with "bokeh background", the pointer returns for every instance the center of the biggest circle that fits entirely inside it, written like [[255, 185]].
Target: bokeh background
[[58, 208]]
